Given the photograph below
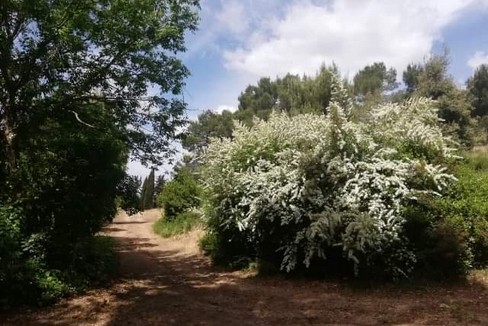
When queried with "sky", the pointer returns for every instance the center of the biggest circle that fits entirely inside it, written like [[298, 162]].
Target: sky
[[240, 41]]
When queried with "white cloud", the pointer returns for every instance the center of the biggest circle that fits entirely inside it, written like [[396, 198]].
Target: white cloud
[[231, 18], [222, 108], [351, 33], [479, 58]]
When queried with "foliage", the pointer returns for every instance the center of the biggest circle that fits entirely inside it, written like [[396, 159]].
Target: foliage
[[147, 192], [374, 79], [25, 278], [73, 81], [208, 125], [179, 195], [450, 233], [68, 180], [300, 190], [433, 81], [478, 90], [158, 188], [58, 56], [411, 77], [182, 223], [128, 194], [292, 94]]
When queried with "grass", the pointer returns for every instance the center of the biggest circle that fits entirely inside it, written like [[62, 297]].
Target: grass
[[183, 223], [478, 160]]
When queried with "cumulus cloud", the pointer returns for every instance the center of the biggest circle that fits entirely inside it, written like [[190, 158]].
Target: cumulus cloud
[[222, 108], [479, 58], [351, 33]]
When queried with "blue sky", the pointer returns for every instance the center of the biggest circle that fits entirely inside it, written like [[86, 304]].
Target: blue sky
[[240, 41]]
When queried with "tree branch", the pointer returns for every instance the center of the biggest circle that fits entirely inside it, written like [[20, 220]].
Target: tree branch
[[81, 121]]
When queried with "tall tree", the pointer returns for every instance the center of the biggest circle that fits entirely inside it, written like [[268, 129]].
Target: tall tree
[[374, 79], [453, 103], [158, 187], [73, 82], [478, 90], [411, 77], [128, 192], [209, 124], [57, 56], [147, 192]]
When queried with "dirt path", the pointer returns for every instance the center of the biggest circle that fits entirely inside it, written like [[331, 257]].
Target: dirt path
[[167, 282]]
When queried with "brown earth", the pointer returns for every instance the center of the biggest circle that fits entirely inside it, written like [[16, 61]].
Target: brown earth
[[167, 282]]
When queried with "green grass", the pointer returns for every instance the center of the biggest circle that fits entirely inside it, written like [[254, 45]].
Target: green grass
[[182, 223], [478, 160]]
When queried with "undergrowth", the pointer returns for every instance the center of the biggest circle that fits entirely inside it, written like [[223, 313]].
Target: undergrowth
[[182, 223]]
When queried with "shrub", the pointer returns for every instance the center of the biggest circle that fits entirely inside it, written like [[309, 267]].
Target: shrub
[[182, 223], [179, 195], [323, 190], [26, 278], [450, 234]]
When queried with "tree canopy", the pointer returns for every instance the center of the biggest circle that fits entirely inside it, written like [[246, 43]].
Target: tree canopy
[[478, 90], [58, 56]]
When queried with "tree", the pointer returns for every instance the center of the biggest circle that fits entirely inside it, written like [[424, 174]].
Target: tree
[[411, 77], [180, 194], [74, 77], [453, 103], [158, 188], [478, 90], [57, 56], [374, 79], [209, 124], [147, 192], [260, 97], [128, 192]]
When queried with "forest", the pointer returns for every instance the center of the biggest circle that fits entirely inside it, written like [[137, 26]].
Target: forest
[[380, 177]]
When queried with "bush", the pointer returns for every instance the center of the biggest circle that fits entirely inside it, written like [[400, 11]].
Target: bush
[[25, 276], [59, 196], [455, 228], [179, 195], [182, 223], [324, 191]]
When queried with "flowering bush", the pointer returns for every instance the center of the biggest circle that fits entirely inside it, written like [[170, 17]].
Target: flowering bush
[[299, 190]]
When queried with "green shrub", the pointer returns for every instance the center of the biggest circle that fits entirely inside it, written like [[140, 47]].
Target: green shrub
[[179, 195], [25, 276], [450, 234], [95, 261], [182, 223]]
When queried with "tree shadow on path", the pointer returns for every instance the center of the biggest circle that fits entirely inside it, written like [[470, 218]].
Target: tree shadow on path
[[162, 284]]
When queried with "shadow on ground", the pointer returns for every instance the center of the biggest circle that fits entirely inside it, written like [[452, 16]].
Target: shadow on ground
[[163, 286]]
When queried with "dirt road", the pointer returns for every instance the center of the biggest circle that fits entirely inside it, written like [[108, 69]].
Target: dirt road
[[167, 282]]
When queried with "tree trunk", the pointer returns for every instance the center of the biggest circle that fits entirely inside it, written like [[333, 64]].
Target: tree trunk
[[8, 136]]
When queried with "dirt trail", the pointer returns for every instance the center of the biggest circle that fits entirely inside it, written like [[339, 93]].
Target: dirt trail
[[167, 282]]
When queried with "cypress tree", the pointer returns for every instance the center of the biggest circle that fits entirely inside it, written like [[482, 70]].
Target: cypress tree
[[147, 194]]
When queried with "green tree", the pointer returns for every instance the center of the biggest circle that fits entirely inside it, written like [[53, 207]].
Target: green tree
[[260, 97], [128, 192], [73, 82], [158, 188], [478, 90], [209, 124], [453, 103], [374, 80], [56, 56], [411, 77], [147, 192], [180, 194]]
